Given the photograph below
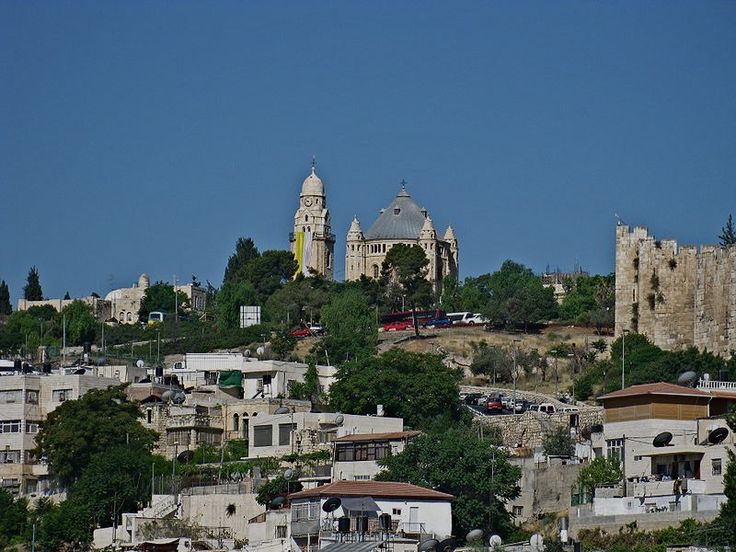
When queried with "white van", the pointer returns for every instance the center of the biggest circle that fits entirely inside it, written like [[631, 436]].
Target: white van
[[466, 318], [545, 408]]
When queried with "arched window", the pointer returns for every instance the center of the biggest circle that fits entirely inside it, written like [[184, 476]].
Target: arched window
[[306, 218], [384, 248], [236, 422], [122, 316], [130, 317], [375, 271]]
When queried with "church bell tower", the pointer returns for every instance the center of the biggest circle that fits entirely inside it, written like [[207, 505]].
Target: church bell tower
[[312, 241]]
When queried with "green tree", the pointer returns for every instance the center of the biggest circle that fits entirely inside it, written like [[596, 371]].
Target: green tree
[[5, 307], [351, 326], [14, 521], [298, 299], [269, 272], [230, 298], [64, 527], [32, 290], [518, 298], [456, 460], [417, 387], [728, 233], [309, 389], [81, 325], [245, 251], [558, 442], [160, 297], [279, 486], [79, 429], [115, 481], [283, 343], [452, 295], [601, 471], [406, 265], [492, 361]]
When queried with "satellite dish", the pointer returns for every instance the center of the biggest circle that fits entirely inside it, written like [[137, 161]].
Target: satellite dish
[[474, 535], [282, 410], [260, 351], [278, 502], [179, 398], [167, 395], [537, 542], [339, 419], [663, 439], [428, 545], [495, 541], [717, 435], [246, 353], [331, 504], [687, 378], [185, 456], [139, 363], [288, 474]]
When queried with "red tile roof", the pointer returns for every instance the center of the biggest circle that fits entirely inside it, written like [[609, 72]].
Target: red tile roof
[[660, 388], [394, 436], [374, 489]]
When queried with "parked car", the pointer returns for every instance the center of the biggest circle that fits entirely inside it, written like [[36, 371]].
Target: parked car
[[308, 330], [493, 406], [398, 326], [438, 323], [472, 398], [477, 318]]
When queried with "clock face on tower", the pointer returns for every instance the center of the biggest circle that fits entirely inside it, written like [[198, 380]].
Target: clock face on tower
[[308, 201]]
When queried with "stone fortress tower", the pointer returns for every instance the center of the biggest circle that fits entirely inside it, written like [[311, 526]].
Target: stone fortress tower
[[401, 222], [676, 296], [312, 241]]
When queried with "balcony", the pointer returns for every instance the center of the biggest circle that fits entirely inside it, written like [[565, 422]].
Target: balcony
[[715, 385]]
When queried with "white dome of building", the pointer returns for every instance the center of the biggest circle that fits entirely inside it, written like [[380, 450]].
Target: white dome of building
[[312, 185]]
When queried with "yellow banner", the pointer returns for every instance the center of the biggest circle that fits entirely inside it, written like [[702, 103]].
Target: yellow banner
[[299, 252]]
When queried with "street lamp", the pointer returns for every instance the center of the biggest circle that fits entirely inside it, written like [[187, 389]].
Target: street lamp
[[555, 352], [572, 369], [513, 374]]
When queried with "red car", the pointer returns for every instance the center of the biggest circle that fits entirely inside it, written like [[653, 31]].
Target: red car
[[494, 406], [301, 332], [398, 326]]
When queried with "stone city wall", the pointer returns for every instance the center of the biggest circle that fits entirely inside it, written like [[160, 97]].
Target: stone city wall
[[677, 296]]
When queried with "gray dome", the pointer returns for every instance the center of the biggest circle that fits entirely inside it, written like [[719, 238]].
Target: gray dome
[[402, 220]]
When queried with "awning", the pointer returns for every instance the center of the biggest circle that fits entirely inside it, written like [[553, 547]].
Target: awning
[[352, 547], [359, 504]]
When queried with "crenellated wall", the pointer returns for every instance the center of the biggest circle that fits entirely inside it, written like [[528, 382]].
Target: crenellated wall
[[676, 296]]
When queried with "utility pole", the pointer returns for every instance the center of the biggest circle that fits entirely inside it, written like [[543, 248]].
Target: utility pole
[[176, 302], [63, 342], [513, 375]]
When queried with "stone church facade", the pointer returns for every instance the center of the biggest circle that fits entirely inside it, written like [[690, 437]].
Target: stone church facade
[[312, 241], [403, 221], [676, 296]]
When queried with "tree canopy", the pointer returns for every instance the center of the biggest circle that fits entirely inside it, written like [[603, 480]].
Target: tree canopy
[[81, 325], [351, 324], [5, 306], [100, 420], [160, 297], [406, 266], [32, 290], [558, 442], [415, 386], [456, 460], [728, 233], [517, 298], [230, 298]]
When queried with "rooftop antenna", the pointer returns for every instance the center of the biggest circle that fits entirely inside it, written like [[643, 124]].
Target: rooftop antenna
[[619, 220]]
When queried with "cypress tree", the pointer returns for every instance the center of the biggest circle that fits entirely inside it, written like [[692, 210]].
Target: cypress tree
[[32, 290], [5, 306], [728, 234]]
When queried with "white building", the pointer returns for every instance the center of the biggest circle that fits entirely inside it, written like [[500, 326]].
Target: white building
[[279, 434], [416, 514], [260, 378], [25, 402], [356, 455]]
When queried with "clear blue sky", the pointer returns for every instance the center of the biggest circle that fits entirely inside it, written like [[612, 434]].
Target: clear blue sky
[[149, 136]]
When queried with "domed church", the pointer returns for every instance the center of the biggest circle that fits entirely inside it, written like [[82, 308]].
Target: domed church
[[403, 221]]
